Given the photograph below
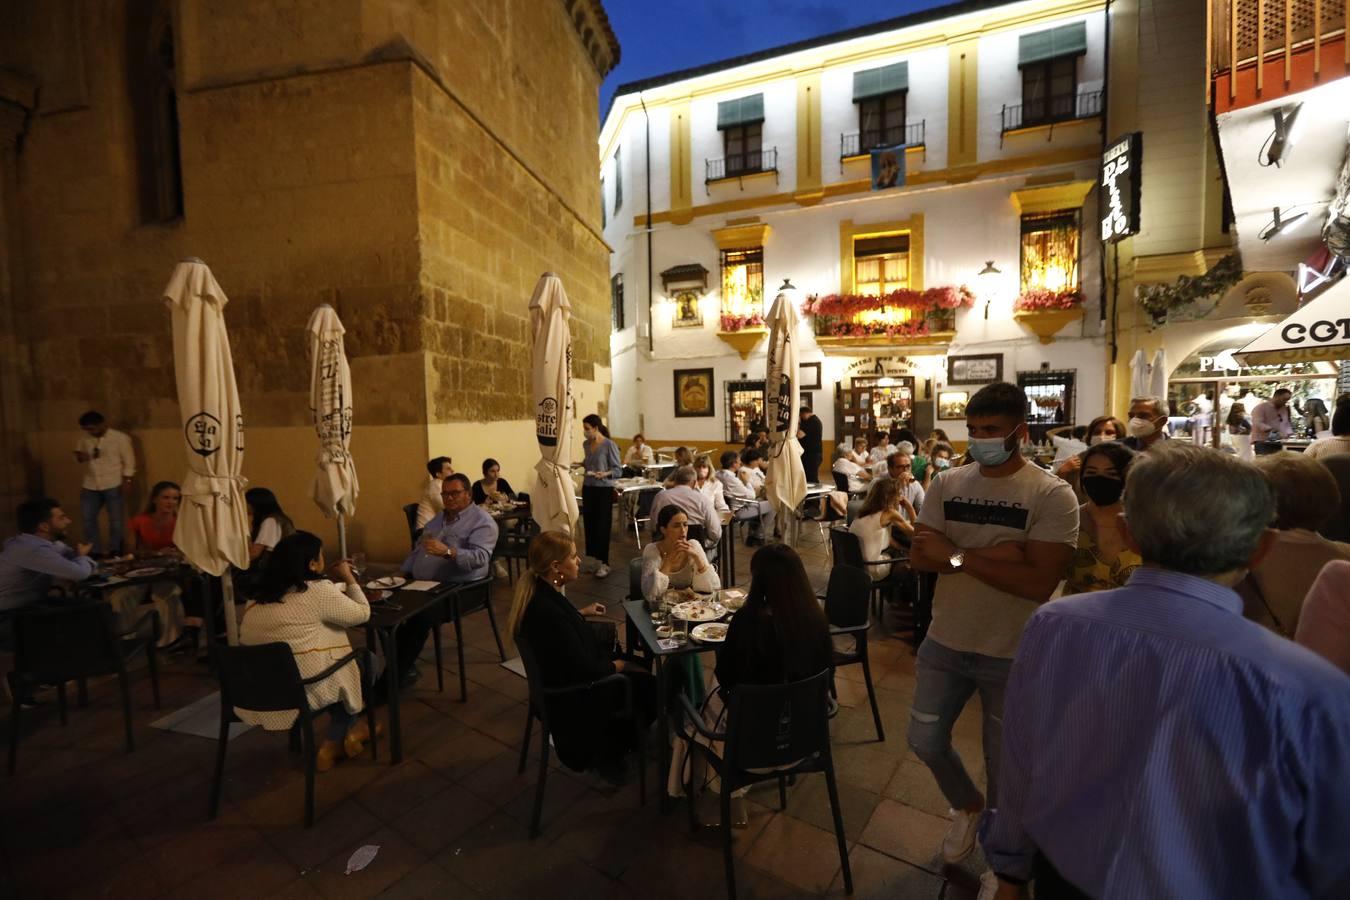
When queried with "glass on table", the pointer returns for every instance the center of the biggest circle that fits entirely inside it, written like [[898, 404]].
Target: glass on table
[[679, 630], [358, 564]]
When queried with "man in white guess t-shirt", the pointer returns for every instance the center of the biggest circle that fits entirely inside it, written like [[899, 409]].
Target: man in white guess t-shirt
[[1000, 533]]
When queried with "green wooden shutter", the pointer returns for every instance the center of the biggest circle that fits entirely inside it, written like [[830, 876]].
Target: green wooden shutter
[[741, 111], [1066, 40], [885, 80]]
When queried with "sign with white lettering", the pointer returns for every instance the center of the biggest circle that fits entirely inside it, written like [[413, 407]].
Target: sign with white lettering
[[1320, 330], [1118, 194]]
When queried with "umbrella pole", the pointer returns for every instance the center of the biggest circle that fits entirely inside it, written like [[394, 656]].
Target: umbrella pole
[[227, 602], [342, 536]]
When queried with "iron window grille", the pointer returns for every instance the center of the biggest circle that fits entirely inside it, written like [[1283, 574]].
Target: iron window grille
[[1050, 400]]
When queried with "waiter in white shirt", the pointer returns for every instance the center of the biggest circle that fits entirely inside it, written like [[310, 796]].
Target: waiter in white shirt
[[109, 467]]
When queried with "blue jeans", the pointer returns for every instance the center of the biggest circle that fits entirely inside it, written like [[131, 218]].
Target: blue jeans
[[946, 679], [90, 504]]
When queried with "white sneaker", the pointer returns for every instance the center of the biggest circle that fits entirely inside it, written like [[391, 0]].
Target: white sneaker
[[602, 571], [988, 885], [960, 838]]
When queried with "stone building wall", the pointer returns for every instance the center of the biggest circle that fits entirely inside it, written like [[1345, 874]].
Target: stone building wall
[[352, 154]]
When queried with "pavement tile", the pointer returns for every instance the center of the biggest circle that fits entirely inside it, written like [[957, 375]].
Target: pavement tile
[[396, 859], [907, 834], [877, 876], [795, 852], [443, 818]]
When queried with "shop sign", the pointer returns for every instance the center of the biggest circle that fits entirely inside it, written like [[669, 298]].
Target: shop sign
[[882, 366], [1118, 196], [1223, 363]]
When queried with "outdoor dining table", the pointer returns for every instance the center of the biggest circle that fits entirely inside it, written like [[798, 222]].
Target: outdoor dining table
[[640, 626], [814, 491]]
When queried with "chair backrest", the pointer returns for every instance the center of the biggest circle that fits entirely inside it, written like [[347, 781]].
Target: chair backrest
[[846, 548], [841, 481], [635, 578], [59, 644], [854, 507], [410, 513], [262, 677], [533, 677], [698, 534], [776, 724], [847, 595]]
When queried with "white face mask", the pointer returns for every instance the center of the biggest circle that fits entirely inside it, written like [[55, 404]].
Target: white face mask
[[1141, 428], [1100, 438]]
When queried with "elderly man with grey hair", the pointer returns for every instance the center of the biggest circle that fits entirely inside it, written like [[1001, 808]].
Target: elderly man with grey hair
[[1156, 743], [694, 502], [1145, 423]]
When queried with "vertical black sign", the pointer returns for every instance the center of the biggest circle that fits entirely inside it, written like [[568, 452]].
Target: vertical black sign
[[1118, 194]]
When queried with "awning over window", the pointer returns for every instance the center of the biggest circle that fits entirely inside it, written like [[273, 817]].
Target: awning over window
[[741, 111], [1066, 40], [884, 80]]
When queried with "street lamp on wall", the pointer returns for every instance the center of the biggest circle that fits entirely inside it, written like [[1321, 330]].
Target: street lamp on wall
[[988, 280]]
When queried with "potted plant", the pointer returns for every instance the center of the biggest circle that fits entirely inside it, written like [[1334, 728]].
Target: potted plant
[[1045, 312]]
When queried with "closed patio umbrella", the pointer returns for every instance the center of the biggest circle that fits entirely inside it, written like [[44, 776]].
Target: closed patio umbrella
[[1157, 375], [1139, 382], [785, 484], [330, 401], [212, 528], [555, 502]]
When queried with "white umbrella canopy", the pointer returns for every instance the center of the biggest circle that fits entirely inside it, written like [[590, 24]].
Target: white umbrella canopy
[[212, 528], [554, 503], [1139, 374], [785, 484], [330, 400], [1317, 332]]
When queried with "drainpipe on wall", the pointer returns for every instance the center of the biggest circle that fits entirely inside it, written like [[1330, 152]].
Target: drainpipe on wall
[[1115, 267], [648, 168]]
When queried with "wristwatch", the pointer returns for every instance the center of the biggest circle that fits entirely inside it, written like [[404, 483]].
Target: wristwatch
[[956, 559]]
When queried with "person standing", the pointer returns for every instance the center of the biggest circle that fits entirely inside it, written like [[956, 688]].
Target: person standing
[[809, 431], [1157, 744], [597, 490], [109, 467], [1145, 422], [429, 503], [1271, 423], [1000, 534]]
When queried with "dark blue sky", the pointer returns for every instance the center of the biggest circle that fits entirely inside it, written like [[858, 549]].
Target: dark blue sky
[[659, 37]]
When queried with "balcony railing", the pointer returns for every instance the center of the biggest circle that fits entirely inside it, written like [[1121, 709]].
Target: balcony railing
[[750, 163], [1244, 30], [857, 143], [1052, 110]]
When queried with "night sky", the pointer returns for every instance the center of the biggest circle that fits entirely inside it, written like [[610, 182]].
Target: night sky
[[660, 37]]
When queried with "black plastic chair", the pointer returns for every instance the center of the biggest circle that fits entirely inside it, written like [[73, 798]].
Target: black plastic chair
[[538, 709], [847, 551], [410, 513], [846, 608], [458, 602], [265, 678], [779, 727], [75, 642], [514, 547]]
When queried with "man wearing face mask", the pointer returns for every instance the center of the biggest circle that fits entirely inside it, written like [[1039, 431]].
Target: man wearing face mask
[[1158, 744], [1000, 534], [1148, 418]]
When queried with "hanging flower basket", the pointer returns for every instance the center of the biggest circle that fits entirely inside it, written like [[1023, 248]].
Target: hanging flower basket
[[932, 315], [1039, 299], [731, 323]]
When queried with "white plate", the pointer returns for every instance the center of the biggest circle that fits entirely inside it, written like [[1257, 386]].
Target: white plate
[[143, 573], [698, 611], [709, 632], [387, 583]]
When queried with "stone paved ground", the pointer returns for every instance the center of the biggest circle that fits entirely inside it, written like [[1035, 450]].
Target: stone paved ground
[[83, 819]]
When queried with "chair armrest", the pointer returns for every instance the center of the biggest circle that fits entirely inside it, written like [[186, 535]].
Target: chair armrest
[[695, 718], [616, 678], [349, 658]]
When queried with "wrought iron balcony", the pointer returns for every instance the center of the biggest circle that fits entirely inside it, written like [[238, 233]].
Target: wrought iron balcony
[[750, 163], [1052, 110], [857, 143]]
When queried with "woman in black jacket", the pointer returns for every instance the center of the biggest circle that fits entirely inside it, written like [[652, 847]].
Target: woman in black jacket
[[570, 650]]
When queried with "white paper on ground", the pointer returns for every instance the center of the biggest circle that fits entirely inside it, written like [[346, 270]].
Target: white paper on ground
[[362, 857], [420, 586]]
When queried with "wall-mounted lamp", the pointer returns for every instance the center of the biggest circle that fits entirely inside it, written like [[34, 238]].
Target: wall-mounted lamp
[[1282, 139], [988, 275], [1277, 225]]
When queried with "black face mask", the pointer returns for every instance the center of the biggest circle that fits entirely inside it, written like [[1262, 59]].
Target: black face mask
[[1103, 490]]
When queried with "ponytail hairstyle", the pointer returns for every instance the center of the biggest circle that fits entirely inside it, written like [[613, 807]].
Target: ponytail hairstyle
[[595, 422], [547, 548]]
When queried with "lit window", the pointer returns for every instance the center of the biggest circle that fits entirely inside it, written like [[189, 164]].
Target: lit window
[[743, 282], [880, 266], [1050, 252]]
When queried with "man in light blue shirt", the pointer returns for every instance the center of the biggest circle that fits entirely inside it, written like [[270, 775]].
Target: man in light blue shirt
[[456, 546], [32, 560], [1157, 744]]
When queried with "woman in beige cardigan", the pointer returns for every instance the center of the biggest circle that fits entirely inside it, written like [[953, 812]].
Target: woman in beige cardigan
[[296, 605]]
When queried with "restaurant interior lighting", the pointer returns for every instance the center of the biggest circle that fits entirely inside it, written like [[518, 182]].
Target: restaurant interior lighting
[[987, 276], [1277, 224], [1282, 139]]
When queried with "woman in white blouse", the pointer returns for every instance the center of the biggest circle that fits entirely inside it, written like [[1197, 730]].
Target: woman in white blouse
[[885, 508], [296, 605], [675, 561], [708, 484]]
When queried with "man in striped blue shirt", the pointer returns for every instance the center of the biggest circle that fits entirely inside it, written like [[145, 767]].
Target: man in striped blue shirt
[[1157, 744]]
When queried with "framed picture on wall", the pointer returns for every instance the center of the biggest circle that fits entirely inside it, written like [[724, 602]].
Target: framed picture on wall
[[687, 312], [808, 400], [809, 376], [980, 369], [952, 404], [694, 393]]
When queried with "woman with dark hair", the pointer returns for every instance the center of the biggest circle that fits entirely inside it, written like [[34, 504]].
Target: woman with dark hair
[[293, 603], [1099, 431], [1102, 559], [597, 490], [1316, 418], [674, 561], [152, 530], [1339, 441], [268, 523], [492, 486]]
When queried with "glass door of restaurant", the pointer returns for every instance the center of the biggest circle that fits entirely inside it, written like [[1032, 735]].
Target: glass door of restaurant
[[870, 404]]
